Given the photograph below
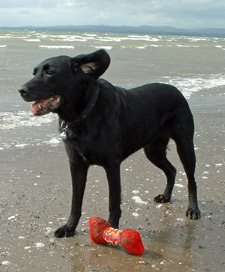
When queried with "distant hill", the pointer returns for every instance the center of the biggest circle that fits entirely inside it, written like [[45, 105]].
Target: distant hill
[[145, 29]]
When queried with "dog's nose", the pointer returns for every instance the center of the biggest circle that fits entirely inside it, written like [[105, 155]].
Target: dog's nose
[[23, 90]]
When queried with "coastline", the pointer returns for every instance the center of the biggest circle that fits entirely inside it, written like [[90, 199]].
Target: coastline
[[36, 193]]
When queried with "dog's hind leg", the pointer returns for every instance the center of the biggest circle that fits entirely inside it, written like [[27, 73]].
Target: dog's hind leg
[[156, 153], [182, 132], [185, 148]]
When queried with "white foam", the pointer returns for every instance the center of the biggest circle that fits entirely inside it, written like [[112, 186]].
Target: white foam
[[74, 40], [180, 219], [155, 45], [39, 245], [179, 185], [90, 35], [57, 46], [32, 40], [141, 38], [190, 85], [6, 36], [198, 39], [127, 38], [187, 46], [138, 200], [3, 46], [135, 214], [21, 145], [109, 39], [141, 47], [103, 47], [70, 38], [54, 141], [12, 120], [6, 263]]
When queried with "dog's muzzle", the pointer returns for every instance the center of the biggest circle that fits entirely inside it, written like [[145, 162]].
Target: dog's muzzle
[[23, 90]]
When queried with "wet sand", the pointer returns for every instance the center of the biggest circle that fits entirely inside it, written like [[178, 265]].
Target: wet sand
[[35, 200]]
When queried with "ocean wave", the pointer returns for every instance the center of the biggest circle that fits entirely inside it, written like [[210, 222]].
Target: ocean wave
[[196, 84], [6, 36], [18, 119], [90, 35], [155, 45], [36, 36], [187, 46], [70, 38], [32, 40], [57, 46], [52, 140], [197, 39], [147, 38], [73, 40], [103, 47], [141, 47], [109, 39]]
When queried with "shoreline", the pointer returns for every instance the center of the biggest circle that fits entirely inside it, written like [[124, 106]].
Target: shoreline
[[36, 193]]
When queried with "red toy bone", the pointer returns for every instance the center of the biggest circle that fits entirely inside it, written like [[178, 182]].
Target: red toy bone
[[102, 233]]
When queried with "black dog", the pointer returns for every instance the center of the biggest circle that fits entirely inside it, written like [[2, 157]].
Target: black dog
[[103, 124]]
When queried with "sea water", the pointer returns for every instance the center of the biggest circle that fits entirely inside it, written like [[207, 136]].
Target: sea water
[[191, 64]]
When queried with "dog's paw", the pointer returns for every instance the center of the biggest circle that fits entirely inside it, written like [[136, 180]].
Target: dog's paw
[[162, 199], [193, 213], [64, 231]]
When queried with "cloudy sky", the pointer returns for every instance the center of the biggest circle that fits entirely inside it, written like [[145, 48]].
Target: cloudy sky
[[178, 13]]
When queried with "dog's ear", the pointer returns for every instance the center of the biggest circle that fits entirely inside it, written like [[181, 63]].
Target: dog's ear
[[94, 64]]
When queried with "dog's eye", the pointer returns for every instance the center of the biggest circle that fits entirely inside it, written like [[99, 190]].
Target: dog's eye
[[49, 72]]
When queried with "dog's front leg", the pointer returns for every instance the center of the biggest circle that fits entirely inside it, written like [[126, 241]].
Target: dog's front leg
[[113, 176], [79, 177]]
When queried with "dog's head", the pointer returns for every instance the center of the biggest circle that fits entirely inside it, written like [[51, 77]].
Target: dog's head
[[58, 81]]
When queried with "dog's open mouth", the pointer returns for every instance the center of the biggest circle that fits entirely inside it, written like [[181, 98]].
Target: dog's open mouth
[[45, 106]]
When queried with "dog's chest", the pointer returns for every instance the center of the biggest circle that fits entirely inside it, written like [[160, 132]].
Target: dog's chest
[[84, 150], [81, 153], [90, 145]]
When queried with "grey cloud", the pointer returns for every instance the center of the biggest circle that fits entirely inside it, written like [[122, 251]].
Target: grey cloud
[[180, 13]]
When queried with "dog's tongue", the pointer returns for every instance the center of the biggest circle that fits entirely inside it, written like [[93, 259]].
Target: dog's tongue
[[45, 106], [36, 107]]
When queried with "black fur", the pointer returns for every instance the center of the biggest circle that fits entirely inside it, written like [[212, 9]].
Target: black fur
[[118, 123]]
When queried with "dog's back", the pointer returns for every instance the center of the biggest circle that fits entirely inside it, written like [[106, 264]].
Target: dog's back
[[145, 112]]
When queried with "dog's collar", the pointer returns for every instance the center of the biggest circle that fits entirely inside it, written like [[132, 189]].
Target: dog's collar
[[68, 128]]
